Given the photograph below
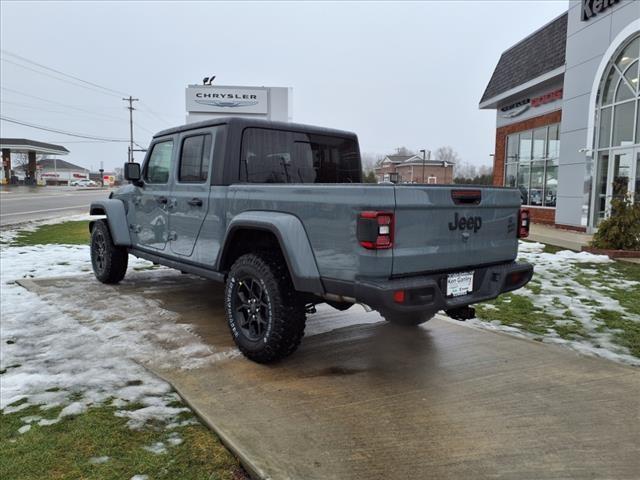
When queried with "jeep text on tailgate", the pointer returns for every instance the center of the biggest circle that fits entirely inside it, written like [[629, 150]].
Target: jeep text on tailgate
[[278, 212]]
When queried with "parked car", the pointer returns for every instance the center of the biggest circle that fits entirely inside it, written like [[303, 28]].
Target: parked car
[[83, 182], [278, 212]]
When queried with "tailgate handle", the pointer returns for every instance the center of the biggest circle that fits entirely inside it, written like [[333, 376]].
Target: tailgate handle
[[466, 197]]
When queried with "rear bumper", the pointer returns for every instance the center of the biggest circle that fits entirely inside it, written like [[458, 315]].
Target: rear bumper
[[428, 292]]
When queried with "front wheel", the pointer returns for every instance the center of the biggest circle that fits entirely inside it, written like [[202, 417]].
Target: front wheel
[[412, 319], [109, 261], [264, 312]]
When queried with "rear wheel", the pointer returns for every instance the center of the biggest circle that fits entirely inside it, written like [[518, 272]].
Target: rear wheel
[[265, 314], [412, 319], [109, 261]]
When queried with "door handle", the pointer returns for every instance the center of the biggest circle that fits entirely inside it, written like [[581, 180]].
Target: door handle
[[162, 200], [195, 202]]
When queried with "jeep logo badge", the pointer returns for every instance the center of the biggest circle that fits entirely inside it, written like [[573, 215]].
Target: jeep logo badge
[[465, 223]]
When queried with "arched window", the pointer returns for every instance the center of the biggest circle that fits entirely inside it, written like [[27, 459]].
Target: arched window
[[618, 129]]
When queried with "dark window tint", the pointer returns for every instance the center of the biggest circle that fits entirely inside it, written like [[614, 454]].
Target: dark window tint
[[195, 159], [275, 156], [157, 169]]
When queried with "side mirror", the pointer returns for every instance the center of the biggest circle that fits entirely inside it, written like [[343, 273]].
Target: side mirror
[[132, 171]]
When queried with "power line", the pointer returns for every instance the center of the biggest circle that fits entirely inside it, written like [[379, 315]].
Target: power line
[[72, 107], [58, 78], [24, 59], [88, 112], [62, 132]]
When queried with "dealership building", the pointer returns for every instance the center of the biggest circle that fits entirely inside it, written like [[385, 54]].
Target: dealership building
[[568, 114]]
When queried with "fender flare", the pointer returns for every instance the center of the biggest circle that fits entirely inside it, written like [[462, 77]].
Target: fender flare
[[293, 240], [116, 218]]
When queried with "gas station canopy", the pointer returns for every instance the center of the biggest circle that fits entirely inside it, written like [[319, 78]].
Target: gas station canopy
[[31, 148]]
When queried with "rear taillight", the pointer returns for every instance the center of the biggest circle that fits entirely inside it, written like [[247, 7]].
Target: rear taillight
[[375, 230], [523, 223]]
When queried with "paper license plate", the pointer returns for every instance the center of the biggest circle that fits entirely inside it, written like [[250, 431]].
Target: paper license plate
[[459, 283]]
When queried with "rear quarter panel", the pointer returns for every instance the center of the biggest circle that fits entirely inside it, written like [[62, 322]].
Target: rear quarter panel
[[328, 214]]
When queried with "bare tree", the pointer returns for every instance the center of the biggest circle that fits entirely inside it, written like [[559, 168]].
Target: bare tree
[[20, 161], [447, 154], [404, 151], [369, 161]]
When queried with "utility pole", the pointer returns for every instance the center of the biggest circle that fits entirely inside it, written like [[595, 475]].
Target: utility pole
[[131, 109], [424, 158]]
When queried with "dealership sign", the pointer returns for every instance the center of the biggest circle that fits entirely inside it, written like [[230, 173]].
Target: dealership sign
[[590, 8], [517, 108], [212, 99]]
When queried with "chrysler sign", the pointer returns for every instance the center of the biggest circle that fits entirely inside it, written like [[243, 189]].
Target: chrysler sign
[[212, 99], [590, 8]]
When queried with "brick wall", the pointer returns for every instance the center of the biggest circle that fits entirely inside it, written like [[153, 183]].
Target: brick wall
[[413, 173], [501, 140], [546, 216]]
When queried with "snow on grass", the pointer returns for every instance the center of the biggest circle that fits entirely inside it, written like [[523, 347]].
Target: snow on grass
[[158, 448], [99, 460], [49, 359], [574, 299]]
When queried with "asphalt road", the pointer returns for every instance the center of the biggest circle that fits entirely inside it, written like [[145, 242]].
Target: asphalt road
[[23, 204]]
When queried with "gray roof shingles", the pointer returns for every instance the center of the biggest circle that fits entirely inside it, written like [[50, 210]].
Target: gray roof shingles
[[536, 55]]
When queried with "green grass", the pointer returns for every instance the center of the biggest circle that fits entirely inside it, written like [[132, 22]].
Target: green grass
[[67, 233], [518, 311], [627, 331], [541, 314], [63, 450]]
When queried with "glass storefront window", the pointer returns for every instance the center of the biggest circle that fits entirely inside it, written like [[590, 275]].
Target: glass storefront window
[[621, 173], [605, 127], [536, 190], [601, 186], [610, 87], [524, 149], [623, 123], [637, 183], [618, 128], [511, 175], [553, 147], [512, 148], [532, 165], [551, 184], [539, 140], [523, 182]]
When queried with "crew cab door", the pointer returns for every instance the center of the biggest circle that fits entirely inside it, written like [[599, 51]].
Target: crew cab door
[[148, 211], [189, 201]]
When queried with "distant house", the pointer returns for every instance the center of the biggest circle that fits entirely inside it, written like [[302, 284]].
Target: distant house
[[56, 172], [412, 169]]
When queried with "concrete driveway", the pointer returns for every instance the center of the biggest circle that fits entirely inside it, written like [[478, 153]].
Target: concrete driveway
[[364, 400]]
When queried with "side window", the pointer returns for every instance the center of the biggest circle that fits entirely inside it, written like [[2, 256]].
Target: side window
[[159, 164], [195, 159]]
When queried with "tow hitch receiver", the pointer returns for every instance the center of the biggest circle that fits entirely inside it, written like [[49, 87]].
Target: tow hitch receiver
[[462, 313]]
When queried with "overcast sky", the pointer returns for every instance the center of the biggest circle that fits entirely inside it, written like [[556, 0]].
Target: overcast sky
[[395, 73]]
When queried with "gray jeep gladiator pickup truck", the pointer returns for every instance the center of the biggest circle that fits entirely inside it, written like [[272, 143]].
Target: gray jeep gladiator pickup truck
[[278, 212]]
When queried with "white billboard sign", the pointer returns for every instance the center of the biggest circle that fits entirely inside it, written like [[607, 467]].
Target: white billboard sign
[[211, 99]]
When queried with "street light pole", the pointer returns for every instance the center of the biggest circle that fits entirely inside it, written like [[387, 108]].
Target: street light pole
[[424, 154]]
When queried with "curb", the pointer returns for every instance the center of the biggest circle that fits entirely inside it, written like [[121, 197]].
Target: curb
[[255, 472]]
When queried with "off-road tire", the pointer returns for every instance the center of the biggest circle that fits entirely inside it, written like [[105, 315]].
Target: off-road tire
[[281, 313], [412, 319], [109, 261]]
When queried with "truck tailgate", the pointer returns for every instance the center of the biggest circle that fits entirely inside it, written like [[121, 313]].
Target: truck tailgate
[[434, 231]]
